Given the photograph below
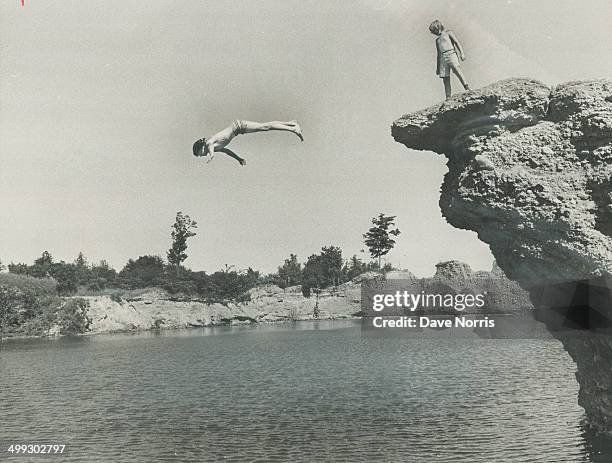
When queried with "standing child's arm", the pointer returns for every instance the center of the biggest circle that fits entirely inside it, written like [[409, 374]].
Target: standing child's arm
[[457, 44], [437, 58]]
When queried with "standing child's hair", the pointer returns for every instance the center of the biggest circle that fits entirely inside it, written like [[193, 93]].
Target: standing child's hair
[[436, 27]]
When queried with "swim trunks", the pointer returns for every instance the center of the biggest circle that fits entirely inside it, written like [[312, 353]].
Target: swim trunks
[[239, 127], [448, 60]]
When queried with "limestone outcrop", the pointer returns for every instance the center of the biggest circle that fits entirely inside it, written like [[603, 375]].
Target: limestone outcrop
[[269, 303], [453, 269], [530, 171]]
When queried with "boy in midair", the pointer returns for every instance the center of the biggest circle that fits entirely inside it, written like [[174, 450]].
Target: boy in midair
[[218, 142], [447, 46]]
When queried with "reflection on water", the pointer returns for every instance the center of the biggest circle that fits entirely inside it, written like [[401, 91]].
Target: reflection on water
[[294, 392]]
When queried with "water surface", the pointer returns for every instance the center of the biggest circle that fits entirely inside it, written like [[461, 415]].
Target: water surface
[[309, 391]]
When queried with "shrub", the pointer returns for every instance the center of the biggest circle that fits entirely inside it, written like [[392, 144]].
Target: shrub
[[29, 309], [72, 316], [227, 285], [180, 282], [38, 286], [290, 273], [146, 271]]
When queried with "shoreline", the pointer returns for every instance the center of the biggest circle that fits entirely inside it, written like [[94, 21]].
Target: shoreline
[[9, 338], [155, 310]]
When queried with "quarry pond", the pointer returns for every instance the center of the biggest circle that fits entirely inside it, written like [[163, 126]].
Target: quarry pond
[[301, 391]]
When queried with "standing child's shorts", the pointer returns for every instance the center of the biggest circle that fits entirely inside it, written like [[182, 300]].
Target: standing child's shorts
[[448, 60]]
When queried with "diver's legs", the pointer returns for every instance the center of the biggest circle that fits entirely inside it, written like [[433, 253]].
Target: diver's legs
[[290, 126]]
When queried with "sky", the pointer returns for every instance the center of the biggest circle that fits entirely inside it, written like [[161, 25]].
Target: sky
[[100, 103]]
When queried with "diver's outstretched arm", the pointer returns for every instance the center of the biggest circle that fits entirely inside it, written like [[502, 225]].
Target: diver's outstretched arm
[[231, 154]]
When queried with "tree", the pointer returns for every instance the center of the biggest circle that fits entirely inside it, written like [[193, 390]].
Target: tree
[[144, 272], [331, 259], [322, 270], [183, 229], [290, 273], [44, 260], [2, 266], [103, 270], [18, 269], [378, 238], [80, 261], [66, 276], [102, 276], [42, 266], [82, 268], [354, 267], [229, 284]]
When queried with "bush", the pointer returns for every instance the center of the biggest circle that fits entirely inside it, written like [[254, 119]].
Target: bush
[[227, 285], [72, 317], [30, 306], [323, 270], [38, 286], [29, 309], [290, 273], [144, 272], [180, 282]]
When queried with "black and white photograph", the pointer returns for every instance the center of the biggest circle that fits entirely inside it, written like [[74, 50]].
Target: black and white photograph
[[306, 231]]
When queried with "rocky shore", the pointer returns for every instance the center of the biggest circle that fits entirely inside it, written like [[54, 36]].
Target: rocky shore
[[155, 309]]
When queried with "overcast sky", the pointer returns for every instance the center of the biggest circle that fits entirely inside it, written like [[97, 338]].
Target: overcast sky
[[100, 103]]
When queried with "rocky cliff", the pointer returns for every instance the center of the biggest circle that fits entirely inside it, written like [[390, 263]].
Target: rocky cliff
[[530, 171], [155, 309]]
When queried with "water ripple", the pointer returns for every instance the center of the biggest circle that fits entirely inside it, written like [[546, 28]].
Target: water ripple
[[310, 392]]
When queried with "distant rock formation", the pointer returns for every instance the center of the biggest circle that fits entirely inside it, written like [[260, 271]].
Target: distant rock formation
[[453, 269], [530, 170]]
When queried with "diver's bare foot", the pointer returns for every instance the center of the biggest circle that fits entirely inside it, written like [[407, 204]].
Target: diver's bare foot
[[242, 162], [298, 130]]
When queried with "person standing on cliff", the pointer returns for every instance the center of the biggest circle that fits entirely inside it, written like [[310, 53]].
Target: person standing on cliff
[[447, 46]]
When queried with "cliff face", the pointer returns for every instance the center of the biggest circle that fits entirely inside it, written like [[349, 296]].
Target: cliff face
[[530, 170], [155, 309]]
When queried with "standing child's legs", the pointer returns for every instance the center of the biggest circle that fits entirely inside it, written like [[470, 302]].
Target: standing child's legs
[[447, 86], [459, 73], [291, 126]]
